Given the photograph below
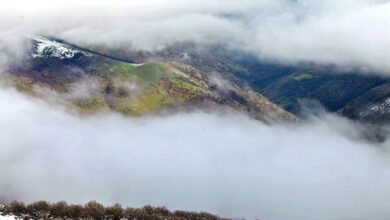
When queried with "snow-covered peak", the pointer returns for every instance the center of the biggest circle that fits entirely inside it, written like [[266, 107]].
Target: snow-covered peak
[[44, 47]]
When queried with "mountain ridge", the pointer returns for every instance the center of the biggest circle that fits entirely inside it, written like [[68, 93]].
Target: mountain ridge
[[59, 69]]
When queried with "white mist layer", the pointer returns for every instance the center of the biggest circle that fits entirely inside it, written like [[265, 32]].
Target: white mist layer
[[226, 163]]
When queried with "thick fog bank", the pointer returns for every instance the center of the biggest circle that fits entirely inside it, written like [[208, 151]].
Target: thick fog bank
[[224, 163]]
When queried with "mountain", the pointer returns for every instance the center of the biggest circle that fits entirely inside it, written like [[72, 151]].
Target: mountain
[[352, 93], [92, 81]]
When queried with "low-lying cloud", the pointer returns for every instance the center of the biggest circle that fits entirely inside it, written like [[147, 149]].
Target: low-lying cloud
[[346, 33], [225, 163]]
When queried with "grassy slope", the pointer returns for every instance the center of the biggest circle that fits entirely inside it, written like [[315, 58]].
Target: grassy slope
[[157, 86], [284, 85], [113, 78], [150, 96], [138, 89]]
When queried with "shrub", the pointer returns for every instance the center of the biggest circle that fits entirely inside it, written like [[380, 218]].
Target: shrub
[[75, 211], [40, 209], [59, 209], [95, 210], [17, 207], [115, 212]]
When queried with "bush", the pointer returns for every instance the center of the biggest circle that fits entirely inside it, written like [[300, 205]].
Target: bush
[[95, 210], [40, 209], [75, 211], [115, 212], [17, 207], [59, 209], [162, 211]]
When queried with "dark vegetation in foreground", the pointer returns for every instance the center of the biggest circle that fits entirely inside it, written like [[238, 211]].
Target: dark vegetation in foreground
[[94, 210]]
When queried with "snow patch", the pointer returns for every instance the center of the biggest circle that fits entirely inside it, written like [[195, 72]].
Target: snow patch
[[45, 47], [137, 64], [380, 108], [8, 217]]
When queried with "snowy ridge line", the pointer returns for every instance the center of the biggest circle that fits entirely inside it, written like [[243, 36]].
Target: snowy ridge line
[[52, 47], [44, 47], [95, 52]]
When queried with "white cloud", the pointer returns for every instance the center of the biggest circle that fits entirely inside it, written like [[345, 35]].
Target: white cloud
[[351, 36], [348, 33], [224, 163]]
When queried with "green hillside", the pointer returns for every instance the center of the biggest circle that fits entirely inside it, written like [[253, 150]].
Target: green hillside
[[93, 83]]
